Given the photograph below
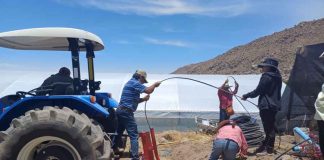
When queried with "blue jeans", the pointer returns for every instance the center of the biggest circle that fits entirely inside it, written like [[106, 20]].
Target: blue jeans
[[223, 115], [127, 121], [227, 148]]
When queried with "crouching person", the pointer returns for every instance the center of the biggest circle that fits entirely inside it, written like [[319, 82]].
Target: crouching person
[[229, 141]]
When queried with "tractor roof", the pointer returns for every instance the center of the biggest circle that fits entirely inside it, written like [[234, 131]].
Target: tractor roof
[[48, 39]]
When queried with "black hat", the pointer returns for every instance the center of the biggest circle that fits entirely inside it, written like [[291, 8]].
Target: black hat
[[269, 62]]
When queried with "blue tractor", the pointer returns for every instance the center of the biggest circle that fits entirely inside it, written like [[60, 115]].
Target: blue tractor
[[74, 126]]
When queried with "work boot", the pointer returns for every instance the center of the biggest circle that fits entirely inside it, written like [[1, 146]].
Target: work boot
[[263, 153], [135, 158], [270, 150], [118, 150], [260, 149]]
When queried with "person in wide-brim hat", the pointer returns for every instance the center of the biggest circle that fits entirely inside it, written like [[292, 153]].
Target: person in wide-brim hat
[[229, 141], [269, 93], [269, 62]]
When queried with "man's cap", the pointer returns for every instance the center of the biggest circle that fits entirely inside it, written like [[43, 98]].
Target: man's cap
[[269, 62], [143, 74]]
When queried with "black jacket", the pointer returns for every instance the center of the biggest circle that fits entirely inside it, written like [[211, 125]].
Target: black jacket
[[58, 83], [268, 90]]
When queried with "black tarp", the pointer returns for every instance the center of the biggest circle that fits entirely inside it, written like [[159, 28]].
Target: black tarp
[[304, 84]]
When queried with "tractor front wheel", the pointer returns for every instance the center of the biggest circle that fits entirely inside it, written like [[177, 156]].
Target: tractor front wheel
[[54, 134]]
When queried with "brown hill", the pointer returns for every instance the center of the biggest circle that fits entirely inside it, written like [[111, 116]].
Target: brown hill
[[281, 45]]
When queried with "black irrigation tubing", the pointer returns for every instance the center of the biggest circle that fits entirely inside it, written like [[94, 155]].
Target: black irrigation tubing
[[204, 84], [207, 85], [238, 99], [146, 115], [292, 148]]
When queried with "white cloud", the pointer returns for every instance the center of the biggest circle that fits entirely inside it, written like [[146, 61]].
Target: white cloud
[[176, 43], [172, 30], [4, 65], [167, 7]]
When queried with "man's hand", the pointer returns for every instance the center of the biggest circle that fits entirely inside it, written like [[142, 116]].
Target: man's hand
[[226, 81], [151, 88], [242, 156], [157, 84], [146, 98]]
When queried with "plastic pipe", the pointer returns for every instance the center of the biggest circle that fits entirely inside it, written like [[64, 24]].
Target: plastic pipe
[[302, 134]]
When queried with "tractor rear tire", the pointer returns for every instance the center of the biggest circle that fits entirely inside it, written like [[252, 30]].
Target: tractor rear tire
[[54, 133]]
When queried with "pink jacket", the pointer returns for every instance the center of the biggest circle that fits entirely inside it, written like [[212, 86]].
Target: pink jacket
[[225, 98], [235, 134]]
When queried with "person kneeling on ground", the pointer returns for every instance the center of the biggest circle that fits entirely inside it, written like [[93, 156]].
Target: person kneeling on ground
[[229, 141]]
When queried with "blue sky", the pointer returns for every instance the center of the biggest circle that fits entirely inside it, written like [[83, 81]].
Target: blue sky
[[155, 35]]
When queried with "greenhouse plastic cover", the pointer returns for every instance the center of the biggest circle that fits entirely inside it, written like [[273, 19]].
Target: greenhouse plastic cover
[[174, 98]]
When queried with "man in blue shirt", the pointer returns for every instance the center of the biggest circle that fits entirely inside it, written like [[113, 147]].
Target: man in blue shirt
[[129, 101]]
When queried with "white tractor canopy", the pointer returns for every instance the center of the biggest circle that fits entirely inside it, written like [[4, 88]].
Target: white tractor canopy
[[54, 38]]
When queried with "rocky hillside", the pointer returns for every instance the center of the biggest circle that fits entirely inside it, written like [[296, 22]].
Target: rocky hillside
[[281, 45]]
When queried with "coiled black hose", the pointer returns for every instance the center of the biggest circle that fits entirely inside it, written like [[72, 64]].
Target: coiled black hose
[[251, 130]]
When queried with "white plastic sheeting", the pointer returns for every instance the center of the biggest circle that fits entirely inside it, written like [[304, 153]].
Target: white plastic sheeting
[[175, 98]]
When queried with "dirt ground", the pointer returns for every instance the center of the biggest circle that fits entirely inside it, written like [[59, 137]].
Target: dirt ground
[[174, 145]]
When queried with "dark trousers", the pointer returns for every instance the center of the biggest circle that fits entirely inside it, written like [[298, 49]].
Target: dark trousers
[[268, 121], [320, 125], [223, 115]]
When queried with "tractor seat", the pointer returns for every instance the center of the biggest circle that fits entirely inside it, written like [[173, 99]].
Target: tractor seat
[[62, 88], [58, 88]]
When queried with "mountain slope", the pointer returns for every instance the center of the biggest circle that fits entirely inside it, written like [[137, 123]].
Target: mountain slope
[[281, 45]]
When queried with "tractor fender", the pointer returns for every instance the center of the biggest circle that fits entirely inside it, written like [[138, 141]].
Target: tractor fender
[[2, 107], [105, 100], [81, 103]]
